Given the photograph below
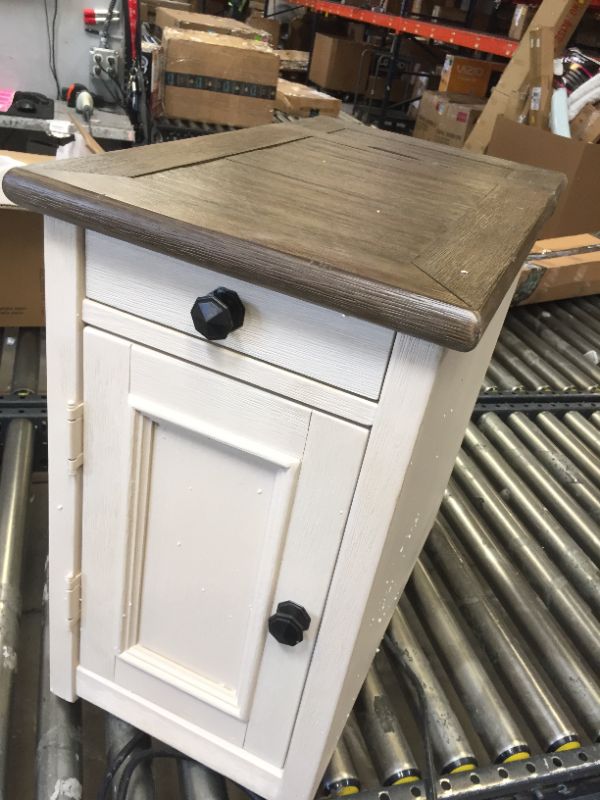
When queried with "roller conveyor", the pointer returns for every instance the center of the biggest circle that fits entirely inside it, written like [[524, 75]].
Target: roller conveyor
[[507, 590], [552, 347], [488, 680]]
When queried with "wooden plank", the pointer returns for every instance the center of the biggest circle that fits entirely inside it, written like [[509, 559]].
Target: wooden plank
[[169, 155], [325, 163], [475, 237], [562, 16]]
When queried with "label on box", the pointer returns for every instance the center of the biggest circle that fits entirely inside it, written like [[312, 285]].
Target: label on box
[[224, 85], [536, 98], [462, 116]]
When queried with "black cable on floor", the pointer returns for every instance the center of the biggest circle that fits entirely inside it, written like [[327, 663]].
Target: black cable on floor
[[139, 740], [140, 758]]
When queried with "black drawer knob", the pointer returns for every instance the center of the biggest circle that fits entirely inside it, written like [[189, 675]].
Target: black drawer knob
[[288, 623], [217, 314]]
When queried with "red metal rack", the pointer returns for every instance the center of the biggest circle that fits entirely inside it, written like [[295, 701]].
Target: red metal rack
[[497, 45]]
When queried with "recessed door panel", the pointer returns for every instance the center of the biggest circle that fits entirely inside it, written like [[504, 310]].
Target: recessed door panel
[[197, 490]]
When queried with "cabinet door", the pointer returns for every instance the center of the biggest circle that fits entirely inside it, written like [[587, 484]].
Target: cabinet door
[[206, 503]]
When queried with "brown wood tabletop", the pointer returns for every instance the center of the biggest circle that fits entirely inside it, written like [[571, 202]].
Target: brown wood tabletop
[[411, 235]]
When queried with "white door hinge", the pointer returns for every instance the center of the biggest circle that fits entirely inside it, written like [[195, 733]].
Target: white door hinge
[[75, 436], [73, 598]]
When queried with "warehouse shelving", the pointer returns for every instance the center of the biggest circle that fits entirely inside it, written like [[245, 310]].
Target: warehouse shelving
[[461, 37]]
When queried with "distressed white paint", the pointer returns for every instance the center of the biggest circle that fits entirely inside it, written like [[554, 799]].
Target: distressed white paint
[[348, 511], [199, 507], [301, 337], [228, 362], [64, 279]]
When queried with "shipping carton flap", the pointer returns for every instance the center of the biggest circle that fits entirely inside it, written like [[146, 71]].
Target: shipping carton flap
[[573, 272], [578, 209], [187, 20], [10, 159], [210, 37]]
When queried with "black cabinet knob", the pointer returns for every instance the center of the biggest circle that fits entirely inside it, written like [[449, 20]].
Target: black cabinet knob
[[288, 623], [217, 314]]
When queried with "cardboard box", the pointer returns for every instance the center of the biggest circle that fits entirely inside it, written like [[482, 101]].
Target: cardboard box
[[473, 76], [400, 88], [217, 7], [218, 79], [520, 22], [392, 6], [269, 25], [336, 64], [357, 31], [304, 101], [153, 65], [558, 277], [187, 21], [422, 8], [578, 208], [299, 34], [148, 8], [447, 118], [21, 255], [586, 125], [293, 60], [445, 15]]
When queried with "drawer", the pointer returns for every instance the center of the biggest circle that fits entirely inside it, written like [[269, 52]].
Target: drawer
[[301, 337]]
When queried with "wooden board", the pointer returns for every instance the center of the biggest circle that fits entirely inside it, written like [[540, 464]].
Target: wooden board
[[367, 223]]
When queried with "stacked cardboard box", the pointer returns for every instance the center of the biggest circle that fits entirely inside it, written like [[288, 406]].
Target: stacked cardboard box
[[21, 255], [148, 8], [269, 25], [472, 76], [339, 64], [293, 60], [187, 21], [218, 79], [447, 118], [401, 88], [448, 115], [304, 101]]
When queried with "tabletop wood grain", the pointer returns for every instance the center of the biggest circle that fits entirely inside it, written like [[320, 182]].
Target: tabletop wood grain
[[414, 236]]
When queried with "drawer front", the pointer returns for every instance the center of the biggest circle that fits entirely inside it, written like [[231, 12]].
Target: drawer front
[[298, 336]]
